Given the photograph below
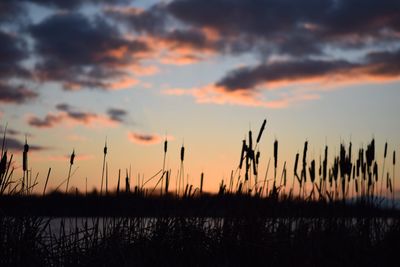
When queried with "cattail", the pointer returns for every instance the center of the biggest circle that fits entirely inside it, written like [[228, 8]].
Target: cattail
[[312, 171], [105, 148], [375, 171], [182, 153], [244, 148], [394, 157], [261, 130], [276, 153], [3, 164], [127, 185], [296, 163], [250, 141], [119, 180], [385, 153], [165, 145], [25, 156], [350, 145], [258, 157], [325, 164], [373, 149], [166, 182], [71, 161], [305, 152], [201, 182], [358, 167], [304, 170]]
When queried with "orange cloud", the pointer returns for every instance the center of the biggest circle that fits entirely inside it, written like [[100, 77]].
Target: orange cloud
[[217, 95]]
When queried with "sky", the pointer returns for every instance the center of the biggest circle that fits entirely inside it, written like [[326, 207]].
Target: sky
[[74, 73]]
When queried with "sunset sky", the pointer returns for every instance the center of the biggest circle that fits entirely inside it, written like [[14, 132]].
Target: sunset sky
[[202, 73]]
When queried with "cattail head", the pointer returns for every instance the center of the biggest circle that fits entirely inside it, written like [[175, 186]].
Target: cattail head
[[258, 157], [350, 151], [305, 152], [394, 157], [201, 182], [105, 148], [296, 163], [385, 153], [373, 149], [244, 149], [250, 141], [182, 153], [71, 161], [312, 171], [26, 146], [375, 171], [25, 156], [165, 145], [3, 164], [276, 153], [261, 130]]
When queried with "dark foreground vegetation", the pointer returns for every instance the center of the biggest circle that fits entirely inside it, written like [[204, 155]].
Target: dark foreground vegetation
[[341, 212], [199, 241]]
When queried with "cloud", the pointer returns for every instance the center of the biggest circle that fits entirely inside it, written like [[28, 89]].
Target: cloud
[[84, 53], [117, 114], [292, 27], [212, 94], [15, 94], [145, 139], [71, 116], [11, 132], [14, 144], [12, 51], [247, 78], [10, 10]]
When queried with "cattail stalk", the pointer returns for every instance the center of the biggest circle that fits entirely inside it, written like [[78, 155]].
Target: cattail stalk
[[47, 180], [163, 168], [261, 131], [394, 176], [71, 162], [119, 180], [104, 162], [201, 182]]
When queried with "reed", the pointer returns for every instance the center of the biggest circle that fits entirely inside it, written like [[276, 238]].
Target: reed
[[71, 162]]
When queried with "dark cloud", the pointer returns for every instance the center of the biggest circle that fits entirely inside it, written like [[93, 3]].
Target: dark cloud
[[247, 77], [11, 132], [15, 94], [68, 113], [158, 23], [79, 52], [154, 20], [117, 114], [12, 51], [71, 4], [144, 139], [15, 144], [298, 28], [10, 10], [385, 64], [48, 121]]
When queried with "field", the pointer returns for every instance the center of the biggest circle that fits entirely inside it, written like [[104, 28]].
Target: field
[[339, 212]]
